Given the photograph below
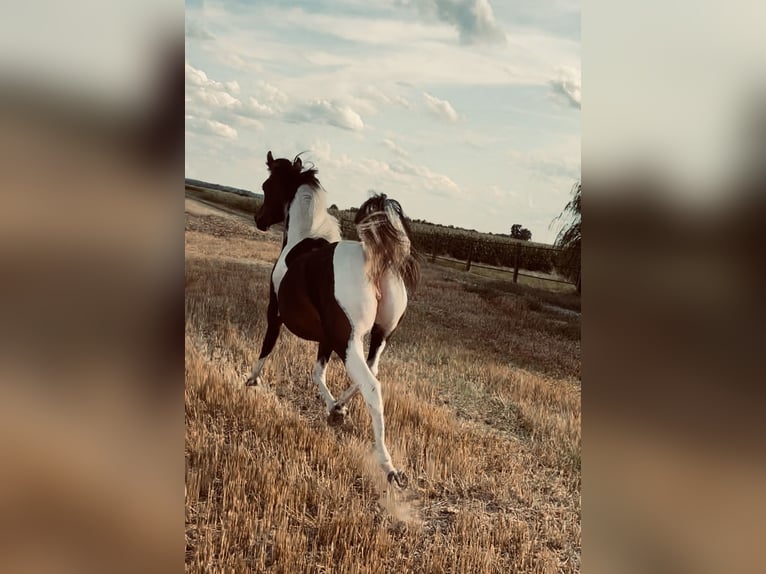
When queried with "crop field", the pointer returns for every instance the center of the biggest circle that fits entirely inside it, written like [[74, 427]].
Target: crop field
[[481, 387], [543, 266]]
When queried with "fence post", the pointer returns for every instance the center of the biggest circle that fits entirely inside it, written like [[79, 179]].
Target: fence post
[[470, 256], [516, 263]]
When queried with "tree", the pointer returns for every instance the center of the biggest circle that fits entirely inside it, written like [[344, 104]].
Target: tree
[[569, 237], [519, 232], [333, 207]]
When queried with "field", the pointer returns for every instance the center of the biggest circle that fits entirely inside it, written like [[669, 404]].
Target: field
[[482, 404], [493, 256]]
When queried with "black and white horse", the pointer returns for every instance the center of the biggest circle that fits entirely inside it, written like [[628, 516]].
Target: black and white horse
[[335, 292]]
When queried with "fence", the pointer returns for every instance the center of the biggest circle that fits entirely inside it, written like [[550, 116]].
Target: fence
[[495, 253], [563, 271]]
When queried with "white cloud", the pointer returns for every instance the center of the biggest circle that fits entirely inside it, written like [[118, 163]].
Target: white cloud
[[388, 49], [555, 164], [213, 101], [321, 150], [255, 107], [206, 126], [406, 175], [373, 64], [194, 76], [217, 99], [567, 85], [196, 31], [441, 108], [323, 111], [474, 19], [436, 183], [271, 93], [370, 100], [395, 148], [204, 90], [374, 31], [383, 98]]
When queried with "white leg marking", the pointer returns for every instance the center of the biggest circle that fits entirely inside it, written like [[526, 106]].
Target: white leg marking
[[369, 386], [373, 364], [319, 379], [255, 376], [347, 395]]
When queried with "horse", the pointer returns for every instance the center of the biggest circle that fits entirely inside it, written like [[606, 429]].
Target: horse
[[333, 291]]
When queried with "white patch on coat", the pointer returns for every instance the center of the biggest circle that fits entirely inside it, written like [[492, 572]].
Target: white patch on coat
[[353, 290], [308, 219], [393, 302]]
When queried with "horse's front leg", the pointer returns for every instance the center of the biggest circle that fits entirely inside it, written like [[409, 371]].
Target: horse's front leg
[[274, 324]]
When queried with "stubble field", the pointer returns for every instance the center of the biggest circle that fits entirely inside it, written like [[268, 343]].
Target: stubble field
[[481, 387]]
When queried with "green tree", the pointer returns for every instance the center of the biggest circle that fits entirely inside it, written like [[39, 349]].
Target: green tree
[[569, 237], [519, 232]]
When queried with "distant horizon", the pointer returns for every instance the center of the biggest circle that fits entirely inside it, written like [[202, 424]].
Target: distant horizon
[[415, 219]]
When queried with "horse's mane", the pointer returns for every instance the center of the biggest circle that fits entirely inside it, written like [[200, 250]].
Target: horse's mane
[[299, 175], [307, 176]]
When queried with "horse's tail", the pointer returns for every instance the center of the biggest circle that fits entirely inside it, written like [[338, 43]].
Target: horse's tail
[[385, 234]]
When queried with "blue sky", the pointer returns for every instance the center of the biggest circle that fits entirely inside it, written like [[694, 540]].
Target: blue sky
[[466, 111]]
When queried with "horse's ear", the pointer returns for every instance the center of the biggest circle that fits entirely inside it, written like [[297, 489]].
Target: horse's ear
[[269, 159], [297, 164]]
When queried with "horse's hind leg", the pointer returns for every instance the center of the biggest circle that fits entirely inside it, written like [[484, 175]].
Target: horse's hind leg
[[340, 404], [274, 323], [369, 387], [378, 338], [320, 367], [391, 308]]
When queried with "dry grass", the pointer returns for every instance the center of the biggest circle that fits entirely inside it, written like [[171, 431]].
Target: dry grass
[[534, 279], [482, 404]]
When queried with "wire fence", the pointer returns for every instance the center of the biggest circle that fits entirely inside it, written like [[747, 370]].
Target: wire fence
[[562, 275], [496, 254]]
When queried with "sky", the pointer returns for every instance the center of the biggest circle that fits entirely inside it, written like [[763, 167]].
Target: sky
[[466, 111]]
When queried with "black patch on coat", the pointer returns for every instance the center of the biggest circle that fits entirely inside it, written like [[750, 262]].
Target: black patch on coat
[[377, 336], [307, 304], [303, 247]]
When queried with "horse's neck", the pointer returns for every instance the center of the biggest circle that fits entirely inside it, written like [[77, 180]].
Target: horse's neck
[[308, 217]]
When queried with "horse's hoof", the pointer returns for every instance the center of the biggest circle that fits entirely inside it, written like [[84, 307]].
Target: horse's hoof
[[398, 478], [337, 415], [253, 381]]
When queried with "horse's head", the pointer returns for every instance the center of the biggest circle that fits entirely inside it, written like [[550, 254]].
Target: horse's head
[[279, 189]]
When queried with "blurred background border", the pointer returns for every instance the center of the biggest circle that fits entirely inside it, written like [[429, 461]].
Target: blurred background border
[[91, 248]]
